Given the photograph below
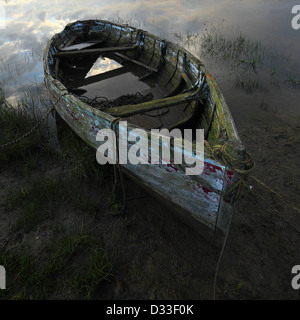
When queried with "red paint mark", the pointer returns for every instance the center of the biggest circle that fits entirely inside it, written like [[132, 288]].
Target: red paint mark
[[72, 115], [229, 174], [211, 167], [150, 160], [95, 129], [206, 190], [198, 186], [53, 95], [230, 177]]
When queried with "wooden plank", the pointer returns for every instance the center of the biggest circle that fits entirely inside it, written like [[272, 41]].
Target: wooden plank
[[187, 80], [129, 110], [176, 89], [71, 40], [94, 51], [136, 62], [80, 46]]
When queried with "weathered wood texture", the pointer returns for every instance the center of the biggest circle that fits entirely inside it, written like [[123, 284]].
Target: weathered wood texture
[[129, 110], [93, 51], [197, 199]]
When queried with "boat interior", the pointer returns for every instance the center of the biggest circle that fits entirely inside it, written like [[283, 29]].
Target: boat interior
[[135, 76], [152, 83]]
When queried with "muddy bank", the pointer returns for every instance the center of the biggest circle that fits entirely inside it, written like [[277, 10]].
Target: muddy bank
[[149, 254]]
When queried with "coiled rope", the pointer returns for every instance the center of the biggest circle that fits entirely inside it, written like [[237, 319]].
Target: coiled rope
[[102, 103]]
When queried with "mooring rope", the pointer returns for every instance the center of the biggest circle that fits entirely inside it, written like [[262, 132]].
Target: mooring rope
[[113, 126], [33, 128], [220, 152]]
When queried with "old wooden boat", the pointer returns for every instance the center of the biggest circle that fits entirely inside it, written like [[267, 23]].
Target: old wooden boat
[[100, 61]]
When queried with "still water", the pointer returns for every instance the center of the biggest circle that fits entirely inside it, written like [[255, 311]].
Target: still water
[[250, 47]]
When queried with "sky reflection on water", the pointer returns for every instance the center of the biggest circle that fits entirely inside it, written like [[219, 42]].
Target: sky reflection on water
[[29, 24]]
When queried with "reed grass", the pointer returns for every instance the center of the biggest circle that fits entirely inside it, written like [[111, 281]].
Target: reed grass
[[64, 269], [249, 64], [73, 263], [14, 123]]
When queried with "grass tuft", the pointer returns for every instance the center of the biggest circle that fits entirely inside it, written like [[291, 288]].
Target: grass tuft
[[14, 123]]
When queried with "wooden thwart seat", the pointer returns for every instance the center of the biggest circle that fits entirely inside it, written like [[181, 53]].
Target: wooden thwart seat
[[94, 51], [80, 46], [130, 110]]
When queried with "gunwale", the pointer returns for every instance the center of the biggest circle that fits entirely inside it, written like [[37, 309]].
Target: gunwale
[[198, 200]]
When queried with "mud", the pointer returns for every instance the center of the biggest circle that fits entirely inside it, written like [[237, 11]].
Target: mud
[[157, 257]]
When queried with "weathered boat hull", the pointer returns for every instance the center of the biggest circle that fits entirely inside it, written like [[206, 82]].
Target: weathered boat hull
[[198, 200]]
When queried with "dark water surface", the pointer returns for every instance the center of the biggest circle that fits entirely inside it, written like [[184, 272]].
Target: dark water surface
[[250, 47]]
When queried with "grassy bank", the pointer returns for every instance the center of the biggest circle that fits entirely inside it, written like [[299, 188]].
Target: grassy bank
[[58, 240], [51, 200]]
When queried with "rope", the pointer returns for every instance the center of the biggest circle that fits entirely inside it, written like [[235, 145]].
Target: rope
[[276, 193], [102, 103], [219, 151], [235, 190], [113, 126], [34, 128], [221, 256]]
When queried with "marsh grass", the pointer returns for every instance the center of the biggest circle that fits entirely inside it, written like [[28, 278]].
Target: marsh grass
[[64, 268], [62, 250], [38, 201], [247, 59], [42, 196], [89, 277], [73, 263], [73, 186], [245, 53], [251, 65], [14, 123], [23, 275]]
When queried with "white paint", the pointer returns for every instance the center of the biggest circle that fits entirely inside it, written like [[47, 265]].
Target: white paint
[[138, 152], [296, 20], [2, 278], [296, 280]]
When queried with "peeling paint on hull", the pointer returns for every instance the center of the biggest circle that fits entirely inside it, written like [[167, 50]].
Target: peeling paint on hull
[[198, 200]]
